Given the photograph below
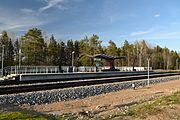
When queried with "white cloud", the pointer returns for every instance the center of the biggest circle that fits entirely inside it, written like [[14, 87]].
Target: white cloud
[[157, 15], [19, 21], [25, 18], [142, 32], [53, 3], [167, 35], [25, 10]]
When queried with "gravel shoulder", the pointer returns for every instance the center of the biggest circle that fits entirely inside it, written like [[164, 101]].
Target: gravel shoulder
[[109, 103]]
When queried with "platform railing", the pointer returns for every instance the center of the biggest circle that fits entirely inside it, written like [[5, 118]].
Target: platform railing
[[46, 69], [63, 69]]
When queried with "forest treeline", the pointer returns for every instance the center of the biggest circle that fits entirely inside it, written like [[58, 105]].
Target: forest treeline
[[34, 49]]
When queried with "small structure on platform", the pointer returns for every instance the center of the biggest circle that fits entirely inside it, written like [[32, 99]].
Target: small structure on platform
[[109, 59]]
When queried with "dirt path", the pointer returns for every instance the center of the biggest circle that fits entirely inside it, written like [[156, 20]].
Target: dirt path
[[109, 103]]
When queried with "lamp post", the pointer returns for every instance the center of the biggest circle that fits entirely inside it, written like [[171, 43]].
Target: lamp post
[[148, 59], [19, 68], [2, 62], [73, 60]]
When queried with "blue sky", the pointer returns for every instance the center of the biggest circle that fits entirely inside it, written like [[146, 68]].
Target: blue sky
[[156, 21]]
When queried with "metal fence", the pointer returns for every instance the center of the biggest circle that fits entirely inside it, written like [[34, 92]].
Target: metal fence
[[45, 69], [62, 69]]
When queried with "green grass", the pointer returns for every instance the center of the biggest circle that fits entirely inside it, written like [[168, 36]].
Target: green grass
[[27, 116], [153, 107]]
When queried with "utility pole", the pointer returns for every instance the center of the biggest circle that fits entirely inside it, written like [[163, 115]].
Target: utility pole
[[148, 59], [73, 60], [19, 58], [20, 52]]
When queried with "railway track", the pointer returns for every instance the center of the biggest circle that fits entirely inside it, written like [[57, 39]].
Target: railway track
[[37, 86], [15, 82]]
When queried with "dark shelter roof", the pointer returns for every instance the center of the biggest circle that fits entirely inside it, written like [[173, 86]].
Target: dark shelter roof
[[107, 57]]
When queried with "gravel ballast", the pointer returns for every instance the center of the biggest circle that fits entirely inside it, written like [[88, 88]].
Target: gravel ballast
[[50, 96]]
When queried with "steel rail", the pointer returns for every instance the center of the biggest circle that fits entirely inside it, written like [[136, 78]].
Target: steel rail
[[77, 83]]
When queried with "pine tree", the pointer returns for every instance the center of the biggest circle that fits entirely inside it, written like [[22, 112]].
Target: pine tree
[[8, 49], [85, 50], [112, 49], [126, 52], [69, 50], [61, 54], [33, 47], [16, 51], [52, 52], [10, 53], [77, 53]]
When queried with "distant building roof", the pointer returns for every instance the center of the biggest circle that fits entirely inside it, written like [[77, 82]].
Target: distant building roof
[[107, 57]]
